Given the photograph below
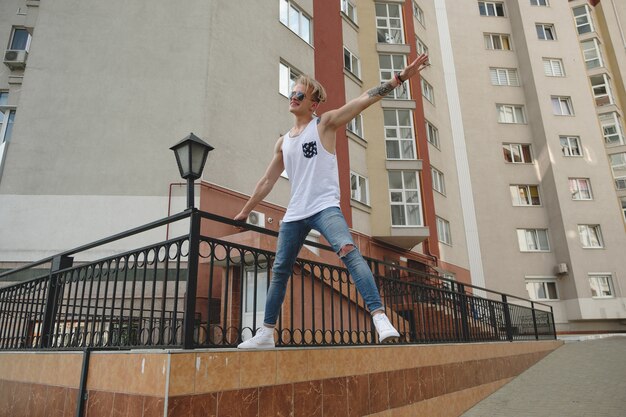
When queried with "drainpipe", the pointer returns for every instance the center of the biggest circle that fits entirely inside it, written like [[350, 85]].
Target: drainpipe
[[82, 389]]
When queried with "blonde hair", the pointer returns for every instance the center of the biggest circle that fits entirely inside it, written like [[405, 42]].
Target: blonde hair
[[318, 93]]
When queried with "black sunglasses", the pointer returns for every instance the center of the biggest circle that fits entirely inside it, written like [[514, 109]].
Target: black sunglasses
[[298, 95]]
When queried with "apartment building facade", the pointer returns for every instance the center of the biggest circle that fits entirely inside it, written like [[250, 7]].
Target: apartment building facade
[[501, 166]]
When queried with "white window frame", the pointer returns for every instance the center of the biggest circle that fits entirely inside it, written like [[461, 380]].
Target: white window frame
[[428, 92], [439, 181], [511, 113], [545, 31], [399, 130], [529, 240], [571, 146], [491, 9], [385, 27], [540, 3], [612, 129], [504, 77], [296, 20], [287, 77], [522, 195], [618, 166], [432, 135], [420, 46], [359, 188], [348, 7], [7, 120], [590, 236], [562, 106], [497, 41], [418, 13], [386, 73], [602, 93], [12, 37], [583, 20], [580, 189], [356, 126], [544, 283], [553, 67], [403, 201], [608, 278], [443, 231], [516, 151], [353, 64], [623, 202], [592, 53]]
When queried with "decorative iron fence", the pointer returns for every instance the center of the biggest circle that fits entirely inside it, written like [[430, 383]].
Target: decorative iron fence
[[196, 291]]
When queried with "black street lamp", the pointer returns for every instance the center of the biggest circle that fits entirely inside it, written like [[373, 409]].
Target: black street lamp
[[191, 154]]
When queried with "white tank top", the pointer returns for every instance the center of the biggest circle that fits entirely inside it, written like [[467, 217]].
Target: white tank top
[[313, 174]]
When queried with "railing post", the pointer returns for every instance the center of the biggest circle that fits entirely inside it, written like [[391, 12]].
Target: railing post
[[553, 322], [507, 319], [192, 280], [464, 317], [52, 298], [532, 307]]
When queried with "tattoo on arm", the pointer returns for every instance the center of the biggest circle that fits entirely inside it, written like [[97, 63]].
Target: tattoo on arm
[[381, 90]]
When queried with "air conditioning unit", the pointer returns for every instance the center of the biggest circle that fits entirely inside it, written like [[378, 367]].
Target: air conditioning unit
[[15, 59], [561, 269], [256, 218], [620, 183]]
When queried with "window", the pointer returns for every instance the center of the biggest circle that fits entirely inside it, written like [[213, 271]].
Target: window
[[432, 134], [388, 65], [295, 19], [525, 195], [404, 195], [562, 106], [570, 145], [7, 118], [623, 201], [591, 53], [517, 153], [590, 236], [20, 40], [497, 41], [612, 129], [601, 89], [427, 91], [582, 15], [349, 9], [504, 76], [389, 23], [601, 285], [533, 240], [420, 46], [580, 188], [553, 67], [351, 62], [618, 165], [287, 79], [356, 126], [491, 8], [4, 98], [541, 290], [439, 184], [509, 113], [359, 188], [418, 13], [545, 31], [399, 136], [539, 3], [443, 231]]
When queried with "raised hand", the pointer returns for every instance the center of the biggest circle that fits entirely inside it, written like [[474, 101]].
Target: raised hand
[[414, 67]]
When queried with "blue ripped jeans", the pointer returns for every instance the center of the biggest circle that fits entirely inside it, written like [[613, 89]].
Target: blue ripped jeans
[[331, 224]]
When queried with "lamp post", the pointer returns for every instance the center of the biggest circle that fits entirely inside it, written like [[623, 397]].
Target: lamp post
[[191, 155]]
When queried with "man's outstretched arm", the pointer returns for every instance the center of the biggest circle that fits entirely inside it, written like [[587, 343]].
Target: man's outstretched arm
[[266, 183], [333, 119]]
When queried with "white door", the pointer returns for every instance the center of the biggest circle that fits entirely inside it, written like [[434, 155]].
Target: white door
[[248, 308]]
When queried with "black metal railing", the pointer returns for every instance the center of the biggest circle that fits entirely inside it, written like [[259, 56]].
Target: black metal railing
[[196, 290]]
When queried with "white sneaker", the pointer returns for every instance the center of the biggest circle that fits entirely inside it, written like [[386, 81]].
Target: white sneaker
[[386, 332], [264, 339]]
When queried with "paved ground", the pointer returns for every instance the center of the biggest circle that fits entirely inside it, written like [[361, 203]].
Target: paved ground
[[580, 379]]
